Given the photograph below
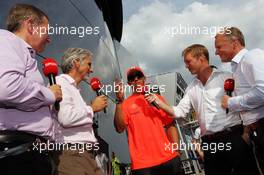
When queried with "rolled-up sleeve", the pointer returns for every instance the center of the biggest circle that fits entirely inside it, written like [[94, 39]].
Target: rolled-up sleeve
[[183, 108], [71, 113], [16, 89], [254, 75]]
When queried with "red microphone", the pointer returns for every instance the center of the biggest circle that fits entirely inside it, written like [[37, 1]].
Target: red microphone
[[146, 91], [50, 70], [229, 88], [96, 86]]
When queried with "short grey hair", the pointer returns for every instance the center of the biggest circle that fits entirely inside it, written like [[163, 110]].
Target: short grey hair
[[234, 33], [71, 55]]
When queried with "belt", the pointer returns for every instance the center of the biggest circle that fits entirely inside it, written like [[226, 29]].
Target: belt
[[8, 137], [16, 142], [256, 125], [223, 133]]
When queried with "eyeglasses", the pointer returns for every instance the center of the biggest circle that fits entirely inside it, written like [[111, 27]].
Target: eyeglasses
[[133, 75]]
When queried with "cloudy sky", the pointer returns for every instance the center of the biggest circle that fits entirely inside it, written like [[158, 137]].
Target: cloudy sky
[[156, 31]]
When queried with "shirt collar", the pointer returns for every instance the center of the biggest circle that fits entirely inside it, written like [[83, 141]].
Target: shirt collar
[[214, 72], [237, 58], [69, 79], [32, 52]]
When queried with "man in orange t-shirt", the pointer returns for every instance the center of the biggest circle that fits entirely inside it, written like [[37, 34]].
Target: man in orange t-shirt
[[150, 131]]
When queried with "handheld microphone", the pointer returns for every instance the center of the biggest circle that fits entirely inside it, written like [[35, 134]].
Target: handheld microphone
[[147, 92], [229, 86], [96, 86], [50, 70]]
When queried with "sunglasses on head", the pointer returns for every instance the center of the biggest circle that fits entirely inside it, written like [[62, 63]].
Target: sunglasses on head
[[133, 75]]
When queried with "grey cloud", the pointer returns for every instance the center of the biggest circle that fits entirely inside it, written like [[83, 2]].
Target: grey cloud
[[146, 32]]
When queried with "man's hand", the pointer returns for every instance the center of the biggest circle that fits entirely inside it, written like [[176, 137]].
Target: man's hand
[[119, 123], [56, 90], [99, 103], [152, 97], [119, 90], [163, 105], [245, 135], [224, 101]]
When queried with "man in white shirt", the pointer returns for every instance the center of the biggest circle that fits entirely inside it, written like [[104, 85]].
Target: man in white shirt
[[75, 118], [221, 133], [248, 72]]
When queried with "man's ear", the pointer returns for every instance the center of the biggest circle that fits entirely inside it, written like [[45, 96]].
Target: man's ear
[[31, 28], [202, 58], [76, 64], [236, 44]]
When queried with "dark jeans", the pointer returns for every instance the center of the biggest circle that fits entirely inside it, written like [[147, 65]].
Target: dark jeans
[[236, 159], [257, 139], [27, 163], [171, 167]]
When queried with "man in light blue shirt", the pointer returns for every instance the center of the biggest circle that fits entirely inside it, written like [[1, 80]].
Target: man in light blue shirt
[[24, 99], [248, 72]]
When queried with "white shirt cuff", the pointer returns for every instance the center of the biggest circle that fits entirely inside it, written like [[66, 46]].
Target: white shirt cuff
[[234, 103]]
